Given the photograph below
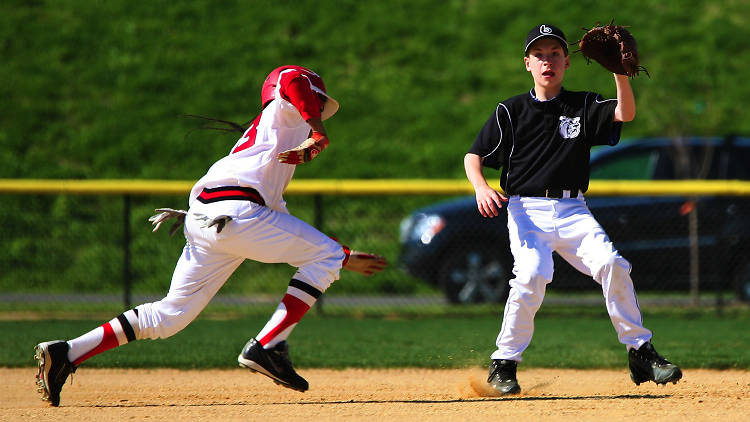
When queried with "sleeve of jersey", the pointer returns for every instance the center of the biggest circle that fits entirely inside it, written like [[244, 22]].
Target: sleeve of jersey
[[488, 143], [296, 89], [602, 129]]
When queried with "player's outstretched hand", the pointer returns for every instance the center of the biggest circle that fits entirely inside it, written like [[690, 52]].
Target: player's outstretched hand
[[489, 202], [306, 151], [166, 214], [365, 263]]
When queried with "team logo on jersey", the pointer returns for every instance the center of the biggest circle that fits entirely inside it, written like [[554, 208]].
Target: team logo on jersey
[[570, 127]]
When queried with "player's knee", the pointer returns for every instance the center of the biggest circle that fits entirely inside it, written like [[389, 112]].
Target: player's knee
[[534, 270], [615, 262], [325, 269], [530, 282], [612, 265], [161, 319]]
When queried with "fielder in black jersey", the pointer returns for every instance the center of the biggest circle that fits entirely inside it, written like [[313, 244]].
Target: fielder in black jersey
[[541, 142], [546, 144]]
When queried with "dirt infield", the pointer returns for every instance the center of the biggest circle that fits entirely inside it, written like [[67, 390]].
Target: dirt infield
[[383, 395]]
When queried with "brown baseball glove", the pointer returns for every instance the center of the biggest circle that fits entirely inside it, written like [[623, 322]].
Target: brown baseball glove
[[613, 47]]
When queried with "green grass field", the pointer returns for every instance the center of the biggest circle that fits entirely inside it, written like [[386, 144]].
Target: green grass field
[[565, 337]]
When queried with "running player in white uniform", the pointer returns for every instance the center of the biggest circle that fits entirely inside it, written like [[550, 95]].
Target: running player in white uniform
[[237, 212], [541, 140]]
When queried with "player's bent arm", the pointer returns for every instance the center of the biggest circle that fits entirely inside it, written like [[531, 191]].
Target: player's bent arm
[[489, 201], [361, 262], [310, 148], [318, 135], [364, 263], [473, 168], [316, 124], [625, 110]]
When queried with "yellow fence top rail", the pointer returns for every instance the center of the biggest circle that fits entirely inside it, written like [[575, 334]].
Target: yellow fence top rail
[[380, 187]]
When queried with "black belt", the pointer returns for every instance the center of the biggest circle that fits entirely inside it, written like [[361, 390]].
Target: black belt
[[224, 193], [553, 193]]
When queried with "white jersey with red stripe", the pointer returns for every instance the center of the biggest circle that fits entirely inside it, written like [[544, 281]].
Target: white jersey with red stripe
[[252, 161]]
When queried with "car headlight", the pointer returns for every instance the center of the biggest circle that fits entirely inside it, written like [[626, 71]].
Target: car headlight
[[421, 227], [404, 227]]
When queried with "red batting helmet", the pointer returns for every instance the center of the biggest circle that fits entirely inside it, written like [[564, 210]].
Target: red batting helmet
[[267, 94]]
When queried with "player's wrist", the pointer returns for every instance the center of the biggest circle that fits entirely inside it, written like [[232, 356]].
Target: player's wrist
[[320, 139]]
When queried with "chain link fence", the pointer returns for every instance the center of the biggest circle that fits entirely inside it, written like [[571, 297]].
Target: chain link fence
[[69, 250]]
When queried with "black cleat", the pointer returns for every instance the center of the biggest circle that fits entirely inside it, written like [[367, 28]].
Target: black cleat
[[273, 363], [647, 365], [54, 368], [503, 376]]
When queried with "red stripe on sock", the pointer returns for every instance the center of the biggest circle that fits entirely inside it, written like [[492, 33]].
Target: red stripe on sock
[[295, 310], [109, 341]]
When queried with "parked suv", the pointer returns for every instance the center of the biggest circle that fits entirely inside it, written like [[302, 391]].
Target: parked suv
[[452, 246]]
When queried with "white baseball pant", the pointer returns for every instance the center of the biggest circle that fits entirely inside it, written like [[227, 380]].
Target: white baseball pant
[[209, 258], [539, 226]]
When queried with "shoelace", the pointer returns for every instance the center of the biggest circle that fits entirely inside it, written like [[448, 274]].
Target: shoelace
[[283, 355], [502, 375], [493, 373], [659, 360], [71, 370], [651, 355]]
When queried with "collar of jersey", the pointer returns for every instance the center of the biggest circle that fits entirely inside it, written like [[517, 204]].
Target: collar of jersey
[[537, 100]]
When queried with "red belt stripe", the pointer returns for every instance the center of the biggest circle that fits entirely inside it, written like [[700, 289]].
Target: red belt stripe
[[224, 193]]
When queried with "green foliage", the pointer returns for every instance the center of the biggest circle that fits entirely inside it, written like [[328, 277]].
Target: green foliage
[[74, 244], [97, 90], [571, 338]]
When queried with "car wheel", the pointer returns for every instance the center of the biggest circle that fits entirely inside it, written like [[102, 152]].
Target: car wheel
[[474, 275], [741, 280]]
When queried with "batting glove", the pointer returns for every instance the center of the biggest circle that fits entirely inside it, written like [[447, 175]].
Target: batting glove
[[219, 222], [166, 214], [306, 151], [208, 222]]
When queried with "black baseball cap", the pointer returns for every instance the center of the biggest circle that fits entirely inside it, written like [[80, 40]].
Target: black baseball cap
[[545, 31]]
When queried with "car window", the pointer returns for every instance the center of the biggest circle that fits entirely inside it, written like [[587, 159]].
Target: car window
[[638, 165], [704, 161], [739, 164]]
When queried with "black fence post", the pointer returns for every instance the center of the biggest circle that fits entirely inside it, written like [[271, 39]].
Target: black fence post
[[126, 281]]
